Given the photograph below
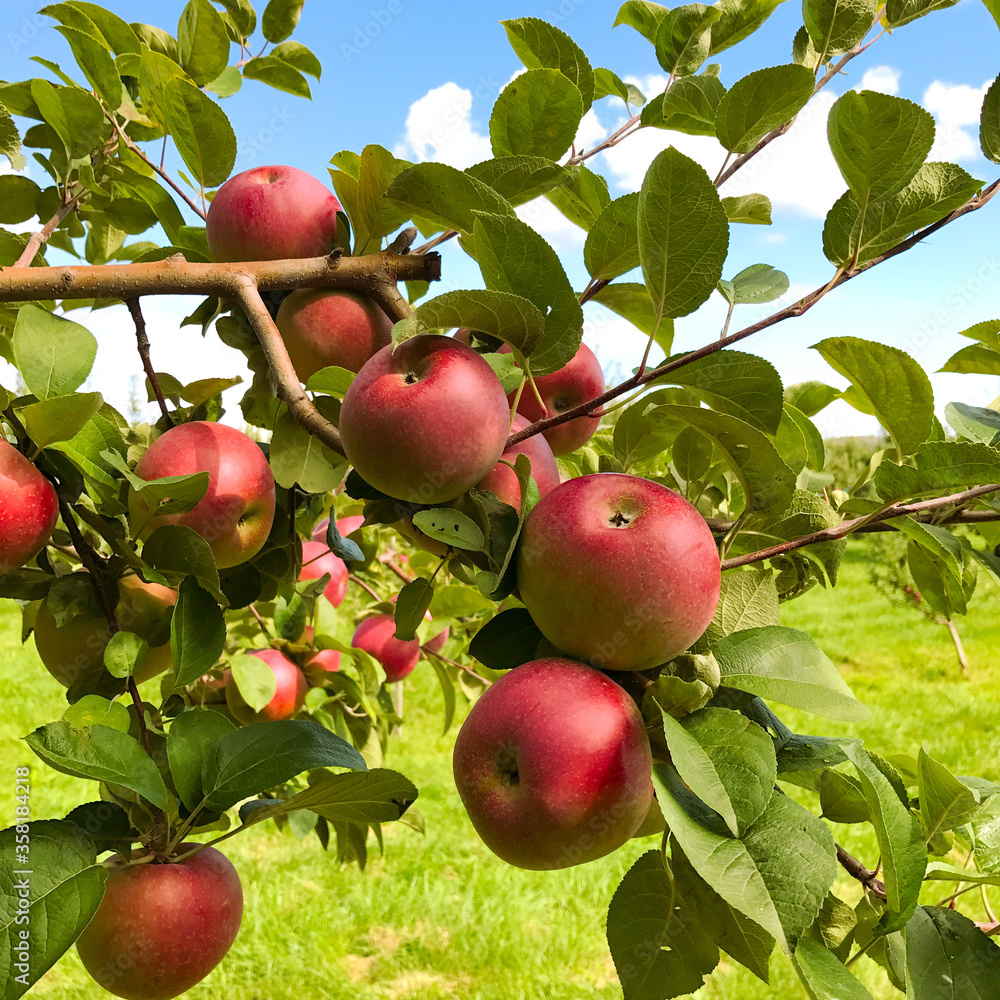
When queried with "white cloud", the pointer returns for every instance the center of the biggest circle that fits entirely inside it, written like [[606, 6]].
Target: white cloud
[[884, 79], [440, 127], [956, 108]]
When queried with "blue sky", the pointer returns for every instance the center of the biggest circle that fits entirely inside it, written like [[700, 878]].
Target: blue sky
[[421, 78]]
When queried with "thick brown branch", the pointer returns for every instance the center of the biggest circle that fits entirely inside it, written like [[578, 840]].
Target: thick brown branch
[[142, 342], [176, 276], [846, 528], [795, 310], [857, 870], [287, 384]]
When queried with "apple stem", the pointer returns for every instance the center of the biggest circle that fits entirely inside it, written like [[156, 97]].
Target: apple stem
[[142, 342], [260, 621]]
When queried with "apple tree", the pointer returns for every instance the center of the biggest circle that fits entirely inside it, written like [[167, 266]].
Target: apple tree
[[598, 569]]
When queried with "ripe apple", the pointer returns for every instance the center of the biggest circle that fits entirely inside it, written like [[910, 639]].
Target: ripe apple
[[376, 635], [77, 647], [618, 571], [317, 663], [501, 480], [323, 327], [318, 560], [289, 696], [272, 213], [162, 928], [561, 390], [436, 643], [28, 509], [345, 525], [426, 422], [235, 514], [553, 765]]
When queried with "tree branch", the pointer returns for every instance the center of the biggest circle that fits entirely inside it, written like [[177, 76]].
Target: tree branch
[[37, 240], [846, 528], [719, 526], [795, 310], [142, 342], [454, 663], [857, 870]]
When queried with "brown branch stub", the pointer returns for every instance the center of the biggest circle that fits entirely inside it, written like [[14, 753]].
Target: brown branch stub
[[142, 342], [857, 870]]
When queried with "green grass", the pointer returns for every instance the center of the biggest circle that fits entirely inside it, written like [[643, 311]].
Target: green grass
[[439, 916]]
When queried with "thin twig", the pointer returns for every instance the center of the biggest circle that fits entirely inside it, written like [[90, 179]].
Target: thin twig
[[364, 586], [142, 342], [386, 558], [455, 663], [37, 240], [857, 870]]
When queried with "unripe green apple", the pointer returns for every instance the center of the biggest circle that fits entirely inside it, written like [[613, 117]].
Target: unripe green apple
[[29, 509], [553, 765], [272, 213], [162, 928], [425, 422], [235, 514], [77, 647], [323, 327], [618, 571], [291, 688]]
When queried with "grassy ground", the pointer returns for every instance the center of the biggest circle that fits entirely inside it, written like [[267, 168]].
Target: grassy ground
[[438, 916]]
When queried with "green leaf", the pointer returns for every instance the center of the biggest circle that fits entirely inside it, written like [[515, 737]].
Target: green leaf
[[124, 654], [539, 45], [683, 234], [101, 754], [64, 889], [975, 422], [726, 760], [519, 179], [949, 958], [500, 314], [945, 803], [989, 121], [750, 209], [895, 387], [900, 12], [679, 949], [266, 754], [96, 63], [939, 871], [374, 215], [879, 142], [857, 231], [514, 258], [900, 838], [824, 975], [767, 482], [254, 679], [632, 302], [242, 14], [940, 466], [759, 283], [836, 25], [176, 550], [506, 640], [297, 457], [451, 527], [810, 397], [537, 114], [201, 130], [611, 249], [74, 115], [779, 873], [279, 74], [280, 19], [785, 665], [445, 196], [582, 197], [18, 197], [684, 38], [748, 599], [299, 56], [197, 632], [976, 359], [645, 17], [608, 84], [411, 606], [93, 710], [690, 106], [61, 417], [738, 20], [10, 140], [202, 42], [331, 381], [760, 102], [841, 798], [54, 355], [190, 740]]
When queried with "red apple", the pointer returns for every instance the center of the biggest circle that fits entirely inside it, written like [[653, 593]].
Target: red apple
[[436, 643], [272, 213], [323, 327], [318, 560], [289, 697], [501, 480], [29, 509], [345, 525], [236, 513], [426, 422], [553, 765], [77, 647], [318, 662], [376, 635], [618, 571], [162, 928], [561, 390]]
